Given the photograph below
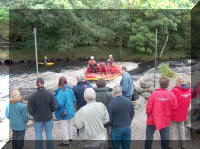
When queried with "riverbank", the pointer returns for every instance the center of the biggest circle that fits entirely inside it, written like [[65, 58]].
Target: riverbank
[[83, 53]]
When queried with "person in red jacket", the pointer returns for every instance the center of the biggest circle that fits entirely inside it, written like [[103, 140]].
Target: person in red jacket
[[92, 65], [196, 90], [183, 93], [102, 68], [158, 109]]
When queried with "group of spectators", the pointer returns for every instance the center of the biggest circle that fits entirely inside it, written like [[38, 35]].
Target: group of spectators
[[99, 108]]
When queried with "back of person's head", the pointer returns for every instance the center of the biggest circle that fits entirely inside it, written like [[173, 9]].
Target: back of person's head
[[81, 77], [101, 83], [164, 82], [180, 80], [15, 96], [40, 82], [110, 56], [62, 82], [117, 90], [124, 68], [90, 94]]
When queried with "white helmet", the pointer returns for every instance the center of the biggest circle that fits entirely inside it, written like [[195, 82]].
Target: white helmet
[[92, 57], [110, 55]]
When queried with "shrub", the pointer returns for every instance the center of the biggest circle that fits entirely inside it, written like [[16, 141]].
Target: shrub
[[166, 71]]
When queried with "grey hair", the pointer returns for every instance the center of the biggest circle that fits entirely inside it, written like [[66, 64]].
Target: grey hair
[[117, 90], [90, 94], [81, 77]]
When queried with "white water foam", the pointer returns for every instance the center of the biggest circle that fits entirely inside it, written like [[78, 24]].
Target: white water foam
[[4, 97]]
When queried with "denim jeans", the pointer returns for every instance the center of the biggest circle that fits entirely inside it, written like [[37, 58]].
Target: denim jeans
[[121, 137], [48, 127], [164, 134], [18, 139]]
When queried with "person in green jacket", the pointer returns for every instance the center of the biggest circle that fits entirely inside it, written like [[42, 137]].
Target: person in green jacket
[[17, 113], [103, 93]]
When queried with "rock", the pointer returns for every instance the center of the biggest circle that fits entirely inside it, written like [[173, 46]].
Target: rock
[[146, 95], [143, 85], [139, 102], [30, 123]]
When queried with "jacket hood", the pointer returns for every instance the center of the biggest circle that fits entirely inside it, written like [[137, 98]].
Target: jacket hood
[[14, 100], [60, 89], [184, 87], [81, 83], [103, 89]]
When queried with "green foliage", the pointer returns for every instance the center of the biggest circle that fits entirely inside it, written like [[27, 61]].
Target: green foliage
[[166, 71], [63, 30]]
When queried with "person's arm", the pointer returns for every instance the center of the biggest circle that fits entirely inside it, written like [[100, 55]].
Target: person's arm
[[25, 114], [106, 118], [110, 112], [150, 104], [31, 105], [54, 105], [7, 111], [132, 113], [173, 100], [124, 85], [78, 119]]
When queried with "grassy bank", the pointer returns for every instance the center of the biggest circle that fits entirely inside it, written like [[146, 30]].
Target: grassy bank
[[86, 52]]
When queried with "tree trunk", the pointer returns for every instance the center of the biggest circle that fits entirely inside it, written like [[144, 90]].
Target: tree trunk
[[120, 49], [166, 41]]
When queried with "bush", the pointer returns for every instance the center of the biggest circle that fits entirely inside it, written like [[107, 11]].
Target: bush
[[166, 71]]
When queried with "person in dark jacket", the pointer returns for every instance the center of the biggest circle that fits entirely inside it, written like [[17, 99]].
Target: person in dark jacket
[[65, 100], [17, 113], [121, 112], [79, 89], [103, 93], [41, 105], [126, 83]]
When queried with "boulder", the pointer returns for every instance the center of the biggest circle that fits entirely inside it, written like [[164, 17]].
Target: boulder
[[30, 123], [146, 95], [138, 103]]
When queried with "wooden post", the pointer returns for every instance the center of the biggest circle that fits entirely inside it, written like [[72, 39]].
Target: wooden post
[[36, 58], [155, 60]]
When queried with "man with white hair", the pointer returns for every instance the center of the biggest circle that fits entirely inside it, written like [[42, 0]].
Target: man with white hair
[[91, 118], [121, 112], [79, 89]]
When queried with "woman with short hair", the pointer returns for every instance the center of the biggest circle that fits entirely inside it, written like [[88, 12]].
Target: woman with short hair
[[65, 112], [17, 113], [182, 91]]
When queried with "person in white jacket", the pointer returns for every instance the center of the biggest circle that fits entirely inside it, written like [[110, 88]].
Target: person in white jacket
[[90, 119]]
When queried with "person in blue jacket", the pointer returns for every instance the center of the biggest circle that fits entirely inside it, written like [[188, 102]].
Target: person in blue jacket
[[126, 83], [65, 112], [17, 113]]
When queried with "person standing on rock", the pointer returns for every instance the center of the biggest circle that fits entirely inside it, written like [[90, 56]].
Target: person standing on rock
[[159, 110], [65, 100], [121, 112], [17, 113], [90, 119], [183, 93], [126, 83], [41, 105]]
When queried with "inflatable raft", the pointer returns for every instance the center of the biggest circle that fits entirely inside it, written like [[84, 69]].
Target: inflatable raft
[[114, 72], [48, 63]]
